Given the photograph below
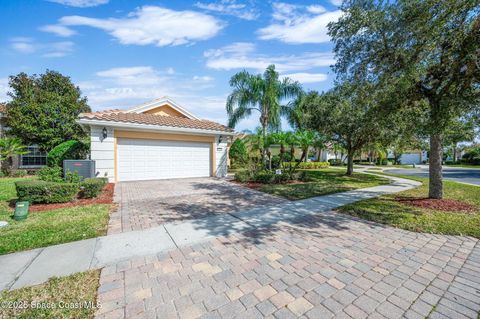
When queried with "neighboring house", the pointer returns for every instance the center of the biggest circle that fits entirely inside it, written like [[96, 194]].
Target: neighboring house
[[411, 157], [33, 160], [156, 140]]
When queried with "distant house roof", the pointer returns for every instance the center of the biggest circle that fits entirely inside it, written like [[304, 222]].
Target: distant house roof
[[3, 107]]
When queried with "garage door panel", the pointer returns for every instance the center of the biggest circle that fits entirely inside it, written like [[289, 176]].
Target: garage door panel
[[140, 159]]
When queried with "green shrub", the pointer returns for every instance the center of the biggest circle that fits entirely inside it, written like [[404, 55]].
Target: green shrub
[[335, 162], [238, 152], [19, 173], [281, 178], [472, 156], [50, 174], [312, 165], [242, 176], [45, 192], [67, 150], [92, 187], [264, 177], [73, 177]]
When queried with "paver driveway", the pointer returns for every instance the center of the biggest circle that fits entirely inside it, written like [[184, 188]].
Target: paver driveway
[[325, 266], [146, 204]]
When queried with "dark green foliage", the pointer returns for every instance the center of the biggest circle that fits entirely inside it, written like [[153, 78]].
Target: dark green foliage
[[73, 177], [243, 176], [44, 109], [45, 192], [50, 174], [472, 156], [67, 150], [238, 152], [92, 187], [264, 177], [335, 162], [19, 173], [312, 165]]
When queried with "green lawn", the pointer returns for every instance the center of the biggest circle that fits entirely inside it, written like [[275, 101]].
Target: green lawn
[[58, 293], [387, 210], [322, 182], [48, 227]]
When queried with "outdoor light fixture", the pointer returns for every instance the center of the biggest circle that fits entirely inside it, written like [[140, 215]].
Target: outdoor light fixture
[[220, 139], [104, 133]]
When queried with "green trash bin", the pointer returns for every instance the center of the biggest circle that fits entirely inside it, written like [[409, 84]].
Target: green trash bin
[[21, 210]]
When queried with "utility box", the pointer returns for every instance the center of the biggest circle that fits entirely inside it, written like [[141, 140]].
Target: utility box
[[84, 168]]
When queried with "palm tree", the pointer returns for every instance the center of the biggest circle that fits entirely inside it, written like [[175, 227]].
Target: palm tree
[[262, 93], [305, 139], [9, 147]]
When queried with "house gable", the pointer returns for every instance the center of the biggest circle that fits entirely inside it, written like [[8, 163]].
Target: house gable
[[163, 106], [165, 110]]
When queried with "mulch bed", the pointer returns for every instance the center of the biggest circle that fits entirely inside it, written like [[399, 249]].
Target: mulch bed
[[106, 197], [447, 205]]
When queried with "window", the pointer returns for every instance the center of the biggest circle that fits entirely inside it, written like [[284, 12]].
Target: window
[[33, 158]]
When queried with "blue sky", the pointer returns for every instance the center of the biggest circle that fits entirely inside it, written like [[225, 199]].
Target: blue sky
[[122, 52]]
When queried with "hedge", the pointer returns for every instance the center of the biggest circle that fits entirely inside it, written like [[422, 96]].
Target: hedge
[[312, 165], [67, 150], [46, 192], [91, 187]]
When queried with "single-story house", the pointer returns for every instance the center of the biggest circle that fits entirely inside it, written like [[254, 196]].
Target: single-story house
[[411, 157], [156, 140]]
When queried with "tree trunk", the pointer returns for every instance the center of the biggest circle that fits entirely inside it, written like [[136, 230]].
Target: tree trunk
[[350, 163], [454, 153], [435, 189], [263, 120]]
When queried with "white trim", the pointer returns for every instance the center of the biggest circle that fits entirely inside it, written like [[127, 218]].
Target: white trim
[[150, 127], [159, 102]]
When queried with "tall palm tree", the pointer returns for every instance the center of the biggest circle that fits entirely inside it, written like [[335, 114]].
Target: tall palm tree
[[262, 93]]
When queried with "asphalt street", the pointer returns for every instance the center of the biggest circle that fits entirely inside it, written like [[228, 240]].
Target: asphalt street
[[464, 175]]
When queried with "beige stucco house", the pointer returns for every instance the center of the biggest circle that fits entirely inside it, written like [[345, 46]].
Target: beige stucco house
[[156, 140]]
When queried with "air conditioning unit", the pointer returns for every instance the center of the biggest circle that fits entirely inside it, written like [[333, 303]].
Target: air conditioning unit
[[84, 168]]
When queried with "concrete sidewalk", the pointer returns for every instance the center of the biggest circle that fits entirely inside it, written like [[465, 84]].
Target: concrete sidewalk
[[37, 266]]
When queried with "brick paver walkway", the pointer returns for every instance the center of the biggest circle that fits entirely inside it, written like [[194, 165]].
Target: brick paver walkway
[[147, 204], [309, 268]]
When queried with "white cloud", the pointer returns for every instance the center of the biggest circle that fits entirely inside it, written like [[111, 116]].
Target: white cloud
[[241, 55], [204, 78], [127, 86], [337, 3], [23, 45], [152, 25], [298, 24], [48, 50], [59, 30], [4, 88], [80, 3], [303, 77], [58, 49], [229, 7]]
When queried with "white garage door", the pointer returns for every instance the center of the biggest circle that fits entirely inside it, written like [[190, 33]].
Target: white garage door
[[410, 158], [140, 159]]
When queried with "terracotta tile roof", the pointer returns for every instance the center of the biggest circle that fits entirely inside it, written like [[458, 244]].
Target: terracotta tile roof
[[3, 107], [152, 119]]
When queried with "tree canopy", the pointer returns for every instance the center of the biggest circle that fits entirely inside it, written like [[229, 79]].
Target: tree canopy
[[421, 53], [348, 114], [44, 108]]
